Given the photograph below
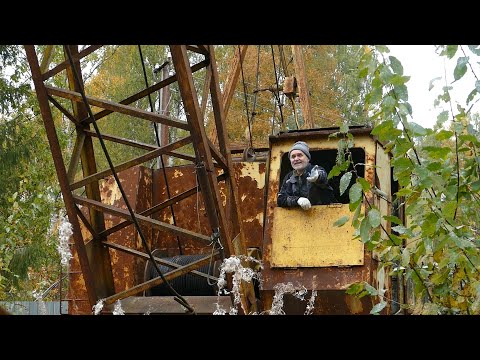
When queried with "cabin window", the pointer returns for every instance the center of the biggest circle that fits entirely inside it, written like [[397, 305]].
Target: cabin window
[[326, 158]]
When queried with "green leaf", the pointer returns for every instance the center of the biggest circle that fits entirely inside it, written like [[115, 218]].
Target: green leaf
[[344, 128], [370, 289], [449, 209], [397, 240], [444, 134], [375, 236], [400, 229], [417, 129], [378, 307], [405, 257], [354, 205], [356, 215], [335, 171], [475, 185], [389, 102], [382, 48], [374, 217], [365, 184], [404, 192], [473, 48], [472, 94], [402, 164], [355, 193], [364, 230], [396, 65], [402, 92], [341, 221], [345, 181], [461, 68], [399, 80], [468, 137], [451, 50], [430, 86], [477, 85], [405, 108], [429, 225], [434, 166], [393, 219], [442, 117], [355, 289], [437, 152]]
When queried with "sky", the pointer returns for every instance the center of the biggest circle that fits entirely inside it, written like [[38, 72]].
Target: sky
[[423, 64]]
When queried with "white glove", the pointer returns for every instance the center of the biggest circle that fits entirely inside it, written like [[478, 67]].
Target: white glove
[[304, 203], [313, 176]]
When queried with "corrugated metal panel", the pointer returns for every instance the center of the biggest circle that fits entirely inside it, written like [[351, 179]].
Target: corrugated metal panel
[[35, 307]]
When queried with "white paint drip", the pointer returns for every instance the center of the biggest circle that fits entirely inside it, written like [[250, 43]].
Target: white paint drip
[[233, 265], [117, 310]]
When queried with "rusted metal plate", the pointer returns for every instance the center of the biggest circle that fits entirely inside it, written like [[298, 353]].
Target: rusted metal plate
[[127, 270], [203, 305], [190, 213], [309, 239], [250, 178], [327, 302]]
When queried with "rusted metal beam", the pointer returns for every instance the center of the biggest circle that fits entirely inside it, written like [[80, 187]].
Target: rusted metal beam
[[63, 110], [116, 107], [128, 164], [120, 140], [140, 145], [47, 58], [233, 200], [98, 256], [183, 156], [217, 156], [203, 305], [61, 172], [198, 49], [75, 158], [158, 280], [158, 260], [205, 169], [87, 224], [158, 207], [63, 65], [142, 219], [303, 91], [232, 78], [230, 84], [206, 91], [151, 89]]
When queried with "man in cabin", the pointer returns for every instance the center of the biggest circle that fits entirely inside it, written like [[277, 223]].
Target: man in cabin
[[306, 184]]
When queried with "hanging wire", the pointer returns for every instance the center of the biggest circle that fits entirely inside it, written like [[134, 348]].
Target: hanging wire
[[177, 296], [273, 118], [275, 93], [245, 95], [256, 85], [164, 172]]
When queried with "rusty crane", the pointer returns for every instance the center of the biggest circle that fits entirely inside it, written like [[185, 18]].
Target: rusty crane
[[122, 213]]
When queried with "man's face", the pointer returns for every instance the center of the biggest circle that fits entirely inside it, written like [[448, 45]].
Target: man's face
[[298, 160]]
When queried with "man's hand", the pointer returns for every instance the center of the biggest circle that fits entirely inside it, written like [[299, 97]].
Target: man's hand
[[314, 173], [304, 203]]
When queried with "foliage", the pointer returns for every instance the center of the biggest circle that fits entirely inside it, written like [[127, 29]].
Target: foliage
[[336, 92], [437, 170], [29, 193]]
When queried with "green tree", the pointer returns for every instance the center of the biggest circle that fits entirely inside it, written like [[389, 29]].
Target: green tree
[[437, 250], [29, 193]]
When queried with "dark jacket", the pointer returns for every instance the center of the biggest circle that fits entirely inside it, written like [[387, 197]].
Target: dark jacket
[[294, 187]]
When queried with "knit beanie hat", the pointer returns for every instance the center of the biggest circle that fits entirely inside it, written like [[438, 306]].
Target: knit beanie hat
[[302, 146]]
